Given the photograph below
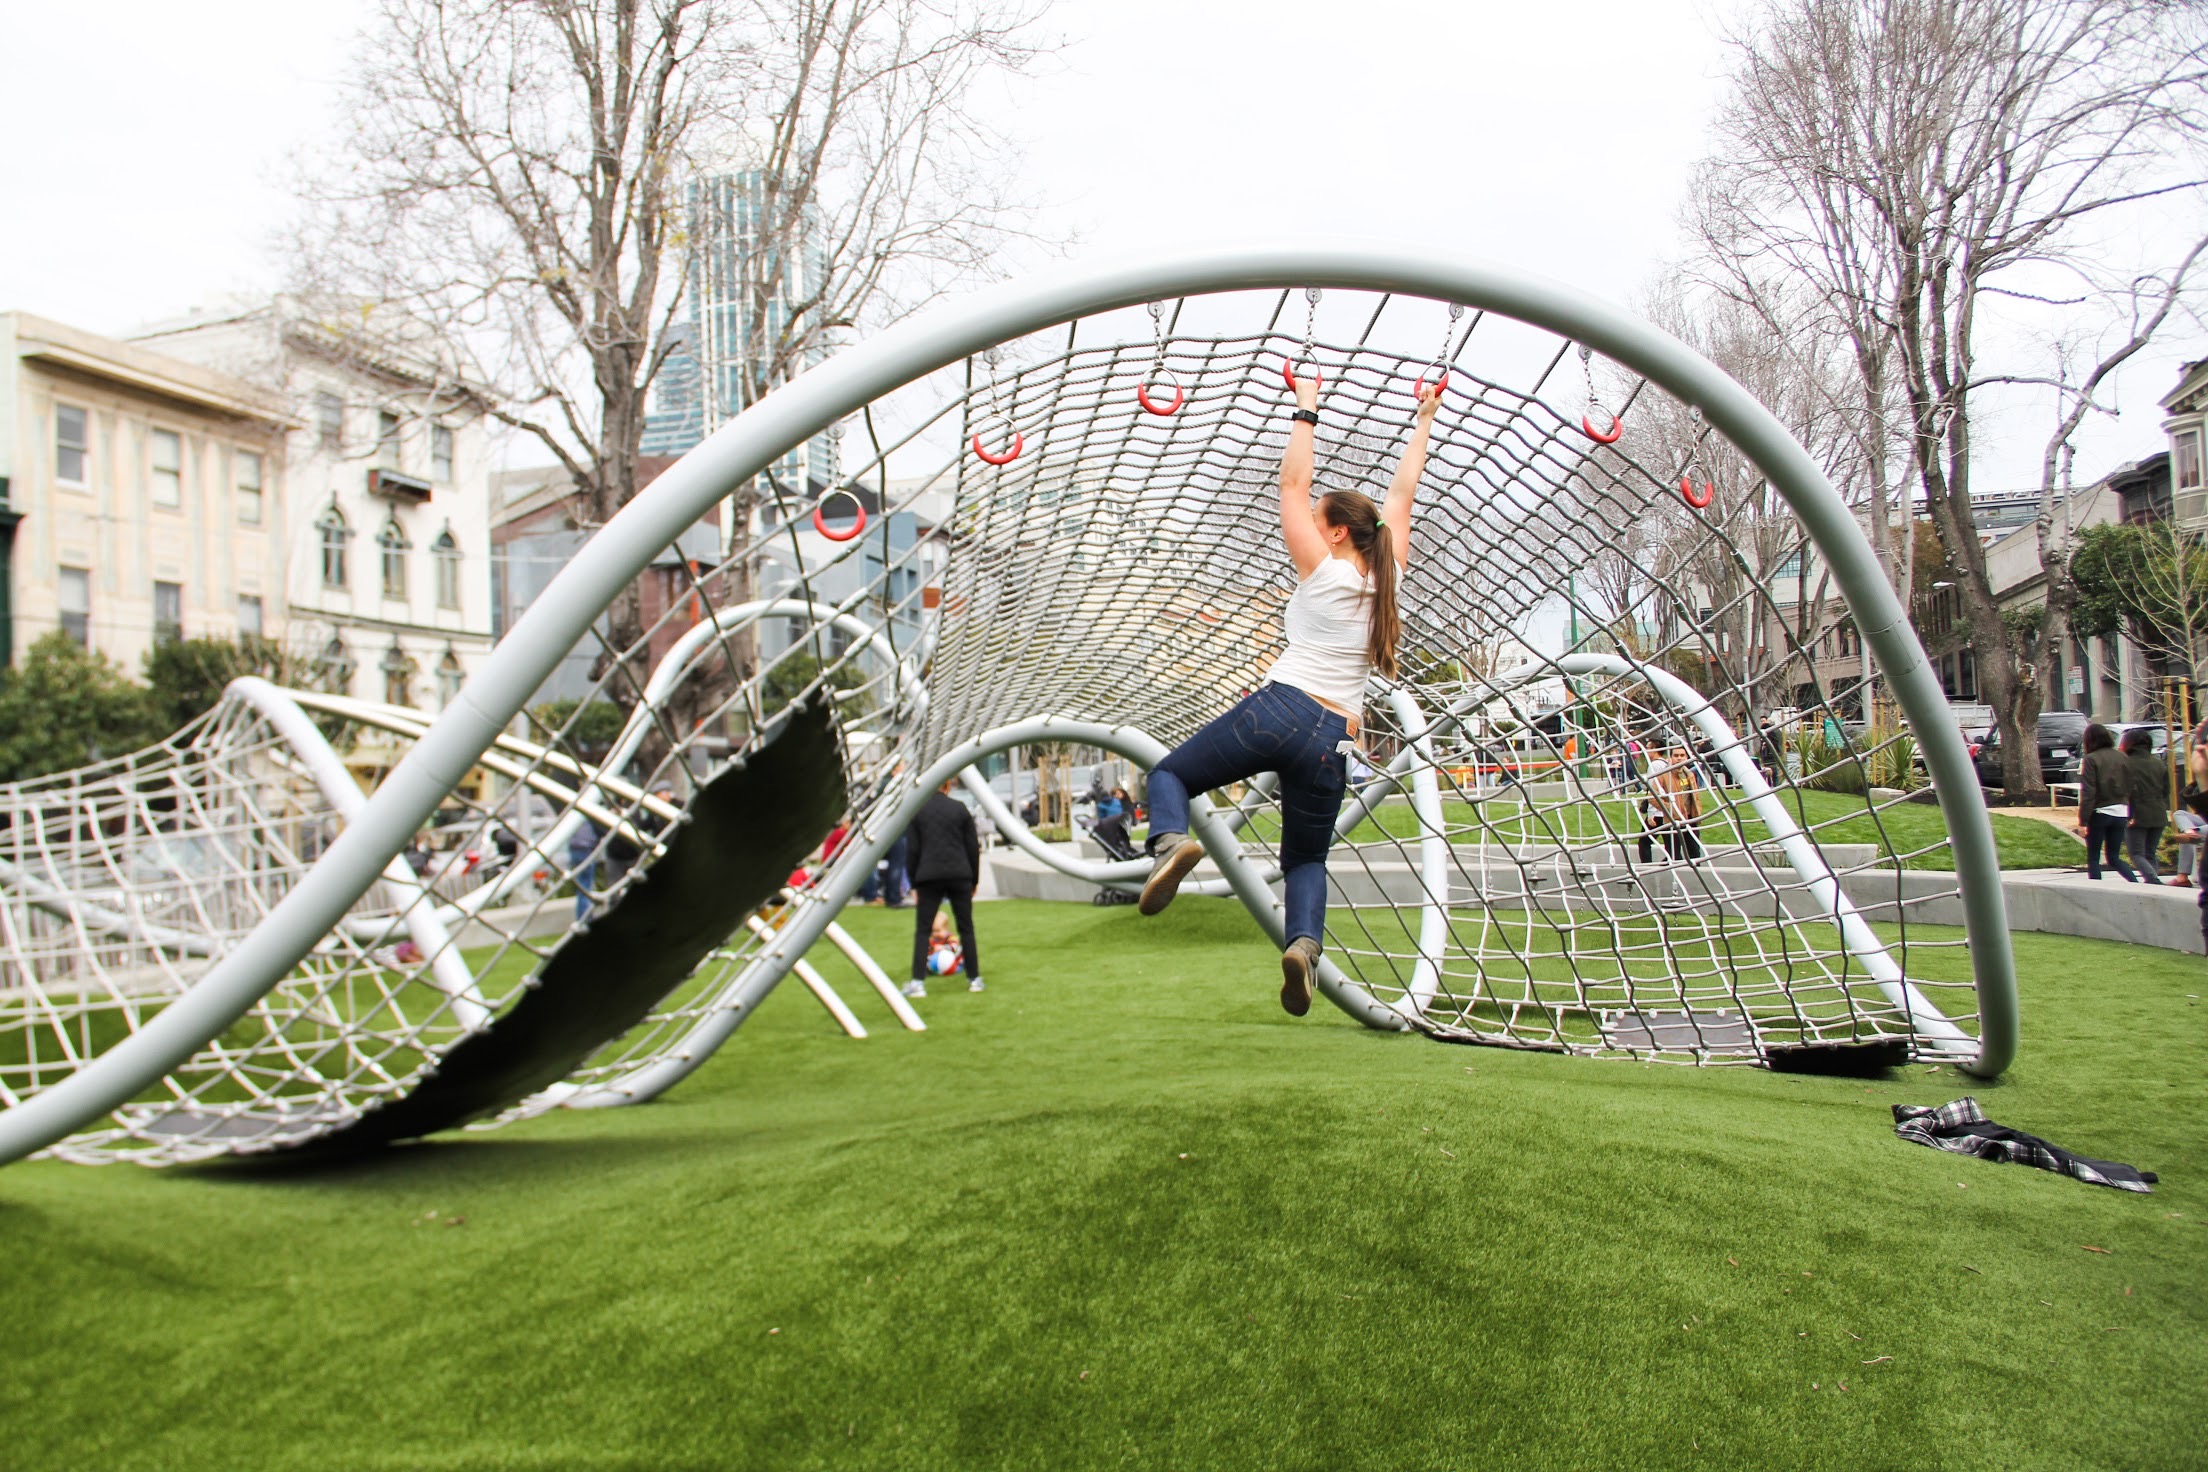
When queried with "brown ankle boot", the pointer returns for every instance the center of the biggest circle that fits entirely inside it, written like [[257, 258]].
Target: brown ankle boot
[[1298, 965], [1176, 857]]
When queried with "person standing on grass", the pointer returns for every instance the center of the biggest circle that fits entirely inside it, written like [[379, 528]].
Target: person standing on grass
[[2150, 803], [2104, 803], [943, 848]]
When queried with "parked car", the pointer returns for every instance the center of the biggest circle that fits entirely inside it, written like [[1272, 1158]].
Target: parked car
[[2157, 733], [2061, 748]]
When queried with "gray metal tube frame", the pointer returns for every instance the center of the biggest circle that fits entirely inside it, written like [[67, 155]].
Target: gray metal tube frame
[[936, 339], [872, 838]]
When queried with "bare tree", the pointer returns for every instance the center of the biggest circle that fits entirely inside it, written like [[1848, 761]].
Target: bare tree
[[1733, 580], [1923, 162], [525, 180], [2149, 302]]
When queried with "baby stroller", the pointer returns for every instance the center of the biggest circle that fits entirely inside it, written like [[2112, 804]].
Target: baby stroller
[[1111, 836]]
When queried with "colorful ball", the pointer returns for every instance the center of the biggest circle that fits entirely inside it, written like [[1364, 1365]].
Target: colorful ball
[[943, 960]]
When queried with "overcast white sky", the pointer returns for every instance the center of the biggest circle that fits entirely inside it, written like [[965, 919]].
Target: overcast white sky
[[144, 174]]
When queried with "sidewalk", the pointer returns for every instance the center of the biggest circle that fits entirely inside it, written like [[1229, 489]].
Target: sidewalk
[[2064, 818]]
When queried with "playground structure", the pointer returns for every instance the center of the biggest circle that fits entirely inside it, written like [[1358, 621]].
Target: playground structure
[[214, 947]]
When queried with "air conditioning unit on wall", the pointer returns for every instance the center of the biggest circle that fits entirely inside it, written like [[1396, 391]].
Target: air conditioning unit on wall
[[393, 486]]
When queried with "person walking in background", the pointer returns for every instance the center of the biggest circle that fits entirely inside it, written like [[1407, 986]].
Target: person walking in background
[[2150, 803], [944, 849], [1671, 810], [1112, 812], [886, 885], [582, 860], [2104, 803]]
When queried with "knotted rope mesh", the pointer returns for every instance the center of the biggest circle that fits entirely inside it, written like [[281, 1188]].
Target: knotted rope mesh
[[1603, 814]]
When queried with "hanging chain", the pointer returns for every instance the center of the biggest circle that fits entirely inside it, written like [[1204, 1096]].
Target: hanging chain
[[1587, 372], [1311, 295], [1448, 334], [989, 358], [1157, 337]]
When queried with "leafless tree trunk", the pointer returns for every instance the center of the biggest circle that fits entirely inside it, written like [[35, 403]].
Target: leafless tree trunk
[[1734, 576], [2152, 300], [520, 179], [1921, 161]]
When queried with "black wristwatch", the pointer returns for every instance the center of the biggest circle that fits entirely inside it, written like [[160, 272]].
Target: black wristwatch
[[1306, 416]]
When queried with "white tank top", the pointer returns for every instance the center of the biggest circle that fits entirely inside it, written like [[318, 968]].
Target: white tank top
[[1328, 622]]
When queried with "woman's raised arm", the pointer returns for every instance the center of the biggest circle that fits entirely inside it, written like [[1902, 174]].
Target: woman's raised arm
[[1397, 512], [1305, 545]]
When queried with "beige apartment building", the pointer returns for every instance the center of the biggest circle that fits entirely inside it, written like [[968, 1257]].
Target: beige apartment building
[[141, 496], [387, 544]]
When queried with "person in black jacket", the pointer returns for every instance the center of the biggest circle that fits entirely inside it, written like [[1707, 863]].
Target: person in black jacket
[[2150, 803], [943, 856], [2104, 803]]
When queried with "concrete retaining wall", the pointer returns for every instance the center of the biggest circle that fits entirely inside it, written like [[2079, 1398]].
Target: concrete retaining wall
[[2048, 901]]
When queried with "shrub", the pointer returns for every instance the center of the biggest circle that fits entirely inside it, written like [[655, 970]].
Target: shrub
[[1826, 766], [66, 707]]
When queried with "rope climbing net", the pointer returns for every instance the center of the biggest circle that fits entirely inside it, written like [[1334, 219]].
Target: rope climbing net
[[1609, 808]]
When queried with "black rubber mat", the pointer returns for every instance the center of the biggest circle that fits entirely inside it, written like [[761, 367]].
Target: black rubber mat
[[749, 827]]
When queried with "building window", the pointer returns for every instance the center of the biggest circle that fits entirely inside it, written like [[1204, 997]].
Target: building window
[[168, 468], [392, 540], [2185, 460], [387, 439], [450, 677], [440, 454], [168, 612], [72, 445], [74, 589], [337, 667], [329, 421], [398, 677], [335, 535], [249, 616], [445, 555], [249, 487]]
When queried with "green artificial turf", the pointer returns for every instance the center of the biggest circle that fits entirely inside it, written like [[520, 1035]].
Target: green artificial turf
[[1120, 1211], [1916, 831]]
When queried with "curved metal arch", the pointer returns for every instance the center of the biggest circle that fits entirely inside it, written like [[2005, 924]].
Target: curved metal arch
[[808, 405]]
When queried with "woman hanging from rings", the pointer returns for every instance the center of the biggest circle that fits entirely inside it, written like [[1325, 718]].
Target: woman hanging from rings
[[1341, 625]]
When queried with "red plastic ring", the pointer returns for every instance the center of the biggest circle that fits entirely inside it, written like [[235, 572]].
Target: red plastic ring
[[1686, 492], [820, 521], [1617, 428], [1288, 371], [1019, 443], [1420, 391], [1142, 397]]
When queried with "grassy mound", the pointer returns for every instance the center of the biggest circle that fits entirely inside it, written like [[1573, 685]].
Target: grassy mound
[[1120, 1211]]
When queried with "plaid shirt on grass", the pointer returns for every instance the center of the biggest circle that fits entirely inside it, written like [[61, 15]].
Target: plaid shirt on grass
[[1963, 1128]]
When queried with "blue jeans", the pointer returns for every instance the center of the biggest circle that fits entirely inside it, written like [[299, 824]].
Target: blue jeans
[[2104, 832], [1276, 728]]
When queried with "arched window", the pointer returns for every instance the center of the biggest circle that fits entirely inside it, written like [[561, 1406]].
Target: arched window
[[450, 677], [392, 539], [337, 667], [335, 535], [444, 555], [398, 676]]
